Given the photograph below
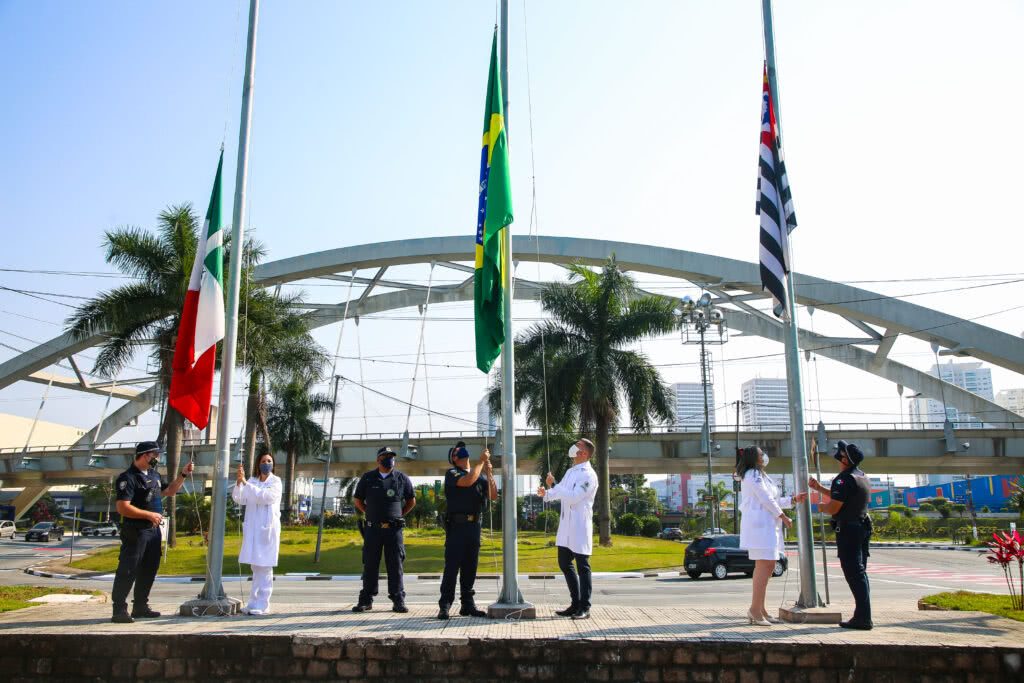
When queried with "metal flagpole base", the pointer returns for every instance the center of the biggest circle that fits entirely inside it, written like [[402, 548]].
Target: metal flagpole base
[[504, 610], [203, 607], [810, 615]]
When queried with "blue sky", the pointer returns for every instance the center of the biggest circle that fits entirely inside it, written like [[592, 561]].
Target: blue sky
[[901, 124]]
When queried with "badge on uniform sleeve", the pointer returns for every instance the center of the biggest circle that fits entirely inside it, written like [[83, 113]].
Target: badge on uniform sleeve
[[121, 484], [839, 481]]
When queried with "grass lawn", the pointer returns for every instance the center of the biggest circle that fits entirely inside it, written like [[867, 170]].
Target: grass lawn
[[341, 554], [976, 602], [17, 597]]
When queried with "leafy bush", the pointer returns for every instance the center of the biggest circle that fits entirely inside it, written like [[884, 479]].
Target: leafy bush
[[629, 525], [651, 526], [926, 507], [901, 510], [547, 520]]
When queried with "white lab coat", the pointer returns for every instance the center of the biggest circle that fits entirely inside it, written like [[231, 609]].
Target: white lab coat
[[261, 531], [577, 491], [761, 505]]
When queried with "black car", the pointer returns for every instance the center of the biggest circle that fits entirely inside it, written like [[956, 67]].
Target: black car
[[671, 534], [44, 531], [98, 530], [721, 555]]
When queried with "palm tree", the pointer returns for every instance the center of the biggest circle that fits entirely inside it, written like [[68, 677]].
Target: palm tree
[[146, 311], [274, 340], [592, 376], [290, 421]]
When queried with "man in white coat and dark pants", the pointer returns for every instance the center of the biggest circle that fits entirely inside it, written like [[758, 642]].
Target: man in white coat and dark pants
[[261, 530], [575, 539]]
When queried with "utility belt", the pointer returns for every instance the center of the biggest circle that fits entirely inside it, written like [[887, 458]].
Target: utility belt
[[386, 524], [839, 525], [460, 518], [136, 523]]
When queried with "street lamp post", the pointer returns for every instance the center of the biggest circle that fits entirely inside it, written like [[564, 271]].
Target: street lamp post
[[701, 317], [327, 472]]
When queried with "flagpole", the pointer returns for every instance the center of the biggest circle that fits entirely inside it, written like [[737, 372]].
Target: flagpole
[[213, 600], [798, 442], [511, 601]]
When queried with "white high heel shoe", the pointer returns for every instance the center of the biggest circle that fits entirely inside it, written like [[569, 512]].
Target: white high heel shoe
[[772, 620], [757, 621]]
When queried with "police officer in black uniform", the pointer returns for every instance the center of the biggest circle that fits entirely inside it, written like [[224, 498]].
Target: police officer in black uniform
[[139, 490], [466, 491], [385, 496], [850, 494]]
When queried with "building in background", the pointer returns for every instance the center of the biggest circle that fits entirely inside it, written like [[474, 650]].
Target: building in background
[[689, 405], [486, 421], [672, 491], [765, 403], [991, 492], [1012, 400], [927, 413], [15, 430]]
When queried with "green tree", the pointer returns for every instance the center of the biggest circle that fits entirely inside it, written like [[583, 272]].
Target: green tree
[[99, 494], [960, 509], [274, 342], [146, 312], [293, 404], [629, 524], [576, 373]]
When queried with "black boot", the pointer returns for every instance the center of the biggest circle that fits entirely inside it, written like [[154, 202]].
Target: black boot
[[399, 606], [363, 607], [144, 612], [469, 609], [443, 612], [121, 616], [567, 612]]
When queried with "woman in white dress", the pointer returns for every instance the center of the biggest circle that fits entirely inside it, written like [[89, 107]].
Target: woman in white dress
[[761, 533], [261, 531]]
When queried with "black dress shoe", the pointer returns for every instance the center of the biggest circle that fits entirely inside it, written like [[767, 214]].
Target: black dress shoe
[[443, 612], [568, 611], [859, 625], [363, 607], [471, 610], [122, 618], [582, 614], [399, 607], [144, 612]]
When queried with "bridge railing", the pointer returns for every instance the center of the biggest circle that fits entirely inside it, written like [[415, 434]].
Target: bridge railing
[[722, 433]]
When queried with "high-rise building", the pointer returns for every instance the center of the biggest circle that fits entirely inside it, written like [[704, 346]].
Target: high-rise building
[[486, 421], [926, 413], [689, 403], [673, 491], [765, 403], [1012, 400]]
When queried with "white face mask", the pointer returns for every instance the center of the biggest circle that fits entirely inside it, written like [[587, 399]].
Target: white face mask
[[764, 460], [573, 450]]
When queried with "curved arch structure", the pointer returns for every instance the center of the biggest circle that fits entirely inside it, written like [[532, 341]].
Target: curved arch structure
[[876, 321]]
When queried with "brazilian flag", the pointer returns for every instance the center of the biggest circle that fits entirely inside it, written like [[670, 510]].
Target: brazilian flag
[[494, 212]]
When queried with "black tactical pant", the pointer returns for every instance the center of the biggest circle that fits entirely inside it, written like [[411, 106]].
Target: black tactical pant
[[852, 539], [579, 586], [461, 556], [137, 564], [390, 542]]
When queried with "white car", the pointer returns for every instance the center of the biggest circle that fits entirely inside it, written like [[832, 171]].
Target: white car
[[7, 529]]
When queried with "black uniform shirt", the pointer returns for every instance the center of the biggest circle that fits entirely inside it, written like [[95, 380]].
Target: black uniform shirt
[[467, 500], [384, 496], [851, 486], [141, 489]]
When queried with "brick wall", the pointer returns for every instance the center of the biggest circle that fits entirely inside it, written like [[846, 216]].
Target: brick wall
[[86, 657]]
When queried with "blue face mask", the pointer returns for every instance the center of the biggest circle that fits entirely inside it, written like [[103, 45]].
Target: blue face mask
[[266, 467], [388, 462]]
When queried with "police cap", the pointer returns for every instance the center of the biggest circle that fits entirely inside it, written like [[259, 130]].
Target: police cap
[[853, 452], [385, 450], [147, 447]]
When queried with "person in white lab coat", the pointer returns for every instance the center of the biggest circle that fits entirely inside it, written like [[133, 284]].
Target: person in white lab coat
[[761, 533], [261, 530], [575, 539]]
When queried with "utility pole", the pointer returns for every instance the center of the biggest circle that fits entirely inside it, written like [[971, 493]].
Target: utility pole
[[327, 472], [735, 481]]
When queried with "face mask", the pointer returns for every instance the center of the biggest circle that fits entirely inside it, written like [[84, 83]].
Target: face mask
[[573, 450], [388, 462], [266, 467], [764, 460]]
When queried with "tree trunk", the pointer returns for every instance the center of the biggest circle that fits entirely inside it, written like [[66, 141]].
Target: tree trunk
[[289, 485], [604, 497], [252, 406], [262, 421], [175, 424]]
